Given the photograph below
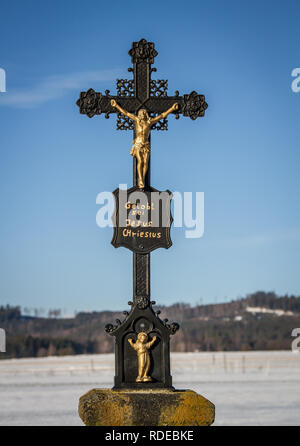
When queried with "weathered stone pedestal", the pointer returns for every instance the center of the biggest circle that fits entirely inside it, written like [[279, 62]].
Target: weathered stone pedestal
[[152, 407]]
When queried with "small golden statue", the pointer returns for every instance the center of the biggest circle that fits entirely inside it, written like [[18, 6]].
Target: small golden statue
[[141, 346], [141, 145]]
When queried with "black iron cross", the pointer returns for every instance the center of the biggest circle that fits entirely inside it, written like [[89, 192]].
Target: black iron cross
[[133, 95]]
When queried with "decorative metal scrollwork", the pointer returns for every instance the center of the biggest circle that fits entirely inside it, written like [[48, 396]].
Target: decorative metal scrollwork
[[110, 328], [125, 87], [124, 123], [158, 88], [173, 327], [160, 125]]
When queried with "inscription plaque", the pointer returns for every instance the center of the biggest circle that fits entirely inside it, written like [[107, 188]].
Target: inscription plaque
[[142, 219]]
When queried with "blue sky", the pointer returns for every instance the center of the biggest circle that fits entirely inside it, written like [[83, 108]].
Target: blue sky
[[244, 155]]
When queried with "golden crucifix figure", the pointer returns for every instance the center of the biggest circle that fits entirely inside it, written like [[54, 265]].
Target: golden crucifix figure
[[141, 346], [141, 145]]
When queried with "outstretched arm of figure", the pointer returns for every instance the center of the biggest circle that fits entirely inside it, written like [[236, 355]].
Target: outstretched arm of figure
[[132, 344], [149, 344], [126, 113], [165, 114]]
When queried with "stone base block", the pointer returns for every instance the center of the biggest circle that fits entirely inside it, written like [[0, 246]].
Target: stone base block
[[152, 407]]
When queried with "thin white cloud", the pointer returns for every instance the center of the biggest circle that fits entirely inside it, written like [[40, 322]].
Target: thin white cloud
[[54, 87]]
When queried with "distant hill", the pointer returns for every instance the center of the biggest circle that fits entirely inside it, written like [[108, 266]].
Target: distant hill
[[261, 321]]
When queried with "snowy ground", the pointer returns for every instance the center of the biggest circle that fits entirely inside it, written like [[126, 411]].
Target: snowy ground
[[247, 388]]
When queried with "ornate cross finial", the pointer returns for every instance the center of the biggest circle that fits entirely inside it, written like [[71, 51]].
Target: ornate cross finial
[[142, 51]]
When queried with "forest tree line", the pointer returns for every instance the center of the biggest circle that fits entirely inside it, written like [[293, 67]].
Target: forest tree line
[[216, 327]]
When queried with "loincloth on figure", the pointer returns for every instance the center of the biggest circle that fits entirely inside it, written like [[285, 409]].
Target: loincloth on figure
[[139, 148]]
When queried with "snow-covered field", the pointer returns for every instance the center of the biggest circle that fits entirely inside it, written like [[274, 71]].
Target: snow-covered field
[[247, 388]]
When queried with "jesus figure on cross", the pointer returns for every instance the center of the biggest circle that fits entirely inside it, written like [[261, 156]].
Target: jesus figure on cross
[[141, 145]]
